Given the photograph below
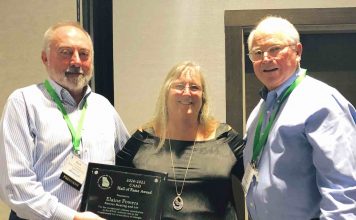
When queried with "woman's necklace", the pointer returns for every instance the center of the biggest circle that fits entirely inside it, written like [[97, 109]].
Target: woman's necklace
[[178, 201]]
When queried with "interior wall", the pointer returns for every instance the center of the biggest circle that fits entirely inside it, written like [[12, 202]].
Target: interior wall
[[152, 36], [149, 38], [22, 26]]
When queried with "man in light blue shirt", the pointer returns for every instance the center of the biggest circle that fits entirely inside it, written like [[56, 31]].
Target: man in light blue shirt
[[46, 127], [300, 155]]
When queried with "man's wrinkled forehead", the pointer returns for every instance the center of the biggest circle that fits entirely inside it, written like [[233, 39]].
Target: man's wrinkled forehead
[[68, 34], [270, 38]]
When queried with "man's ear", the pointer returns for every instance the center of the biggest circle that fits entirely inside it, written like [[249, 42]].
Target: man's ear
[[44, 57], [299, 50]]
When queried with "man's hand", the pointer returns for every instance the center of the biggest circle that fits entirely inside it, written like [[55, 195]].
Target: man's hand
[[87, 216]]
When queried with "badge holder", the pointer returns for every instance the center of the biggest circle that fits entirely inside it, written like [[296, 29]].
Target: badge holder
[[74, 171]]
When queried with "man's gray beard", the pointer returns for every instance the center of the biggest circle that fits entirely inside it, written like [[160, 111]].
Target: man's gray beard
[[80, 81]]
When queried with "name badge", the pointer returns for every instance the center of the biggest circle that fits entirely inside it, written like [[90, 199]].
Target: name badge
[[74, 171], [250, 172]]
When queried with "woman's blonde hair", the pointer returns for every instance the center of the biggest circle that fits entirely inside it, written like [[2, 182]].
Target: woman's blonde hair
[[160, 118]]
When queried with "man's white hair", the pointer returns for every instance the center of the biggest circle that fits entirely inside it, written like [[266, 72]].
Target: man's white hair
[[274, 25]]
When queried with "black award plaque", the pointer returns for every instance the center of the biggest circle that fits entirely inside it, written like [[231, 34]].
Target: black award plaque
[[115, 192]]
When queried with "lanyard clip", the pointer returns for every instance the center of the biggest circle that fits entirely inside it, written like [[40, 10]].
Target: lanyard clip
[[253, 164], [254, 169], [77, 153]]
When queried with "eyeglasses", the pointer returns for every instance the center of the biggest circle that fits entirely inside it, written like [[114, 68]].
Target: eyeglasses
[[181, 87], [273, 51]]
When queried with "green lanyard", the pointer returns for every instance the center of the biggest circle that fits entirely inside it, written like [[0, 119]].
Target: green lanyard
[[76, 135], [260, 141]]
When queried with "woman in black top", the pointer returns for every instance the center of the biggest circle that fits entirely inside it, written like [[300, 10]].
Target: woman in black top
[[198, 153]]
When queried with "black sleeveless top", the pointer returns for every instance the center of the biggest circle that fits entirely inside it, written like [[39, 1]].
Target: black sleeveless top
[[207, 191]]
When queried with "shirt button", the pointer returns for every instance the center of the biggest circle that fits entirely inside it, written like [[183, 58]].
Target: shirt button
[[251, 204]]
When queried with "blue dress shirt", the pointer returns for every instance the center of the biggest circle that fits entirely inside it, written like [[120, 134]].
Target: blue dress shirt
[[307, 168]]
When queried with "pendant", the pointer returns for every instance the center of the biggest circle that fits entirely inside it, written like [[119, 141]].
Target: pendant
[[178, 203]]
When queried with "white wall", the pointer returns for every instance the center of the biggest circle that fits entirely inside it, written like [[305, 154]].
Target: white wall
[[22, 25], [152, 36]]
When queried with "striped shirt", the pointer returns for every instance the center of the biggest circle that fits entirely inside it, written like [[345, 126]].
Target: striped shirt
[[35, 140]]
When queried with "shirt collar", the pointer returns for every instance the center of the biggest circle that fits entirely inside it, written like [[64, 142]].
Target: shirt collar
[[264, 91], [64, 94]]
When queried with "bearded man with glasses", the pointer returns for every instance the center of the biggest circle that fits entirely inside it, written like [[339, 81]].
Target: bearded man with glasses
[[300, 155]]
